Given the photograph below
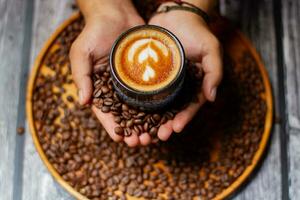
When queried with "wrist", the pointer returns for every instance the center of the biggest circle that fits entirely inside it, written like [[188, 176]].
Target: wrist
[[95, 9], [183, 15], [205, 5]]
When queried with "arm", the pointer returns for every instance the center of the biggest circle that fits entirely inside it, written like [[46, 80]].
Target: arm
[[92, 9], [202, 47], [105, 20]]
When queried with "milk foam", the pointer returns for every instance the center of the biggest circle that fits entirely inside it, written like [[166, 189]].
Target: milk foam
[[148, 73], [145, 59], [147, 53], [137, 44]]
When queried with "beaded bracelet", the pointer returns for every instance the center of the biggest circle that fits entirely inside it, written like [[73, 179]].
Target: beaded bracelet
[[183, 5]]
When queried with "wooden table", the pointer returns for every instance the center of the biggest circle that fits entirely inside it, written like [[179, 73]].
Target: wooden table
[[272, 26]]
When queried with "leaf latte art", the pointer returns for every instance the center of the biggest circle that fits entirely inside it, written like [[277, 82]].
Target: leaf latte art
[[147, 60], [146, 53]]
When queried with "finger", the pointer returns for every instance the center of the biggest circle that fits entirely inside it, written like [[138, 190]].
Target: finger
[[186, 115], [81, 72], [145, 139], [132, 140], [212, 67], [165, 131], [107, 121]]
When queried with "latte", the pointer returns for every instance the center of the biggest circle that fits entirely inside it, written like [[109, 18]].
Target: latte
[[147, 67], [147, 59]]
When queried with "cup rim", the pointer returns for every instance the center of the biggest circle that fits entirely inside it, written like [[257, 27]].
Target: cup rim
[[159, 28]]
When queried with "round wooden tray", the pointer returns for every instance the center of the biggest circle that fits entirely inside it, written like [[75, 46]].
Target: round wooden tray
[[236, 37]]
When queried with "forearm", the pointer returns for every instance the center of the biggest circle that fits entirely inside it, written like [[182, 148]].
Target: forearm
[[92, 8]]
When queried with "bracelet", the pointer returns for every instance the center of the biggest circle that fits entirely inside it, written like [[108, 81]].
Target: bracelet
[[183, 5]]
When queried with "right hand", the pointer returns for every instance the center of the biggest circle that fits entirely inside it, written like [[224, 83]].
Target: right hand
[[104, 23]]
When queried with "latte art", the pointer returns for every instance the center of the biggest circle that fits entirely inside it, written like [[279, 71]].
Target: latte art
[[147, 56], [147, 59], [148, 51], [148, 73]]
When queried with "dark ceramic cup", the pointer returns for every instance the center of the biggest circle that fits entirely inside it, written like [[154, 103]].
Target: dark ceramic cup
[[159, 98]]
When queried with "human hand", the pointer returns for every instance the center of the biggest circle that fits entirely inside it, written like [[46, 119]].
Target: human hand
[[89, 52], [201, 47]]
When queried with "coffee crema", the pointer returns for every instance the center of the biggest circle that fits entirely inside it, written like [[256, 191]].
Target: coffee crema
[[147, 59]]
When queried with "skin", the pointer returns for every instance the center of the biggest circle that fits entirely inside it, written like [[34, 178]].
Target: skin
[[106, 20]]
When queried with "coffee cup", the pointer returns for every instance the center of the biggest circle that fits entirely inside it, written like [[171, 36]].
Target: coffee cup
[[147, 67]]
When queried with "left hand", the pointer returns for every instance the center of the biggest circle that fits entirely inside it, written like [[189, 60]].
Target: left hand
[[105, 21], [200, 46]]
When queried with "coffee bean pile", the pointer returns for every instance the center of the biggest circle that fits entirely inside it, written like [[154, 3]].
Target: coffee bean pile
[[202, 161], [129, 119], [133, 120]]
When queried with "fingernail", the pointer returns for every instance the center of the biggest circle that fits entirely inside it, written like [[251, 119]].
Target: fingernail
[[213, 94], [80, 95]]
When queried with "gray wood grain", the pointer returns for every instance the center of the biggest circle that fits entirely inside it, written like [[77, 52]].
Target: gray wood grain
[[266, 184], [12, 33], [291, 44], [291, 58], [255, 18], [294, 152], [38, 184]]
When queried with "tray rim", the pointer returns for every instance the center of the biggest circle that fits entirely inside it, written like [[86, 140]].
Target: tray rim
[[234, 186]]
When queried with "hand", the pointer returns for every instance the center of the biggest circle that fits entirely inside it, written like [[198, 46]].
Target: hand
[[200, 46], [104, 23]]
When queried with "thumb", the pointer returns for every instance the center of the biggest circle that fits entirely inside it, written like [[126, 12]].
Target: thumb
[[81, 72]]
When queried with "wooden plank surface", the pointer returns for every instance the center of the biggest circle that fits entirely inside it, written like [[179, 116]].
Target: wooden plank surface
[[294, 164], [255, 19], [38, 183], [291, 59], [12, 37], [266, 183], [291, 50]]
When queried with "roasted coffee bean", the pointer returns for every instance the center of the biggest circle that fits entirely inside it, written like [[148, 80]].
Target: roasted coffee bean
[[140, 127], [146, 127], [86, 158], [126, 115], [20, 130], [119, 131], [140, 115], [156, 117], [118, 119], [104, 89], [123, 123], [163, 120], [117, 105], [153, 131], [70, 98], [108, 102], [137, 130], [125, 107], [138, 121], [105, 109], [129, 123], [127, 132], [66, 135], [115, 113], [97, 93]]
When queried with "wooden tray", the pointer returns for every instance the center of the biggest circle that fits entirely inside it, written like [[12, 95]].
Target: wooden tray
[[240, 42]]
